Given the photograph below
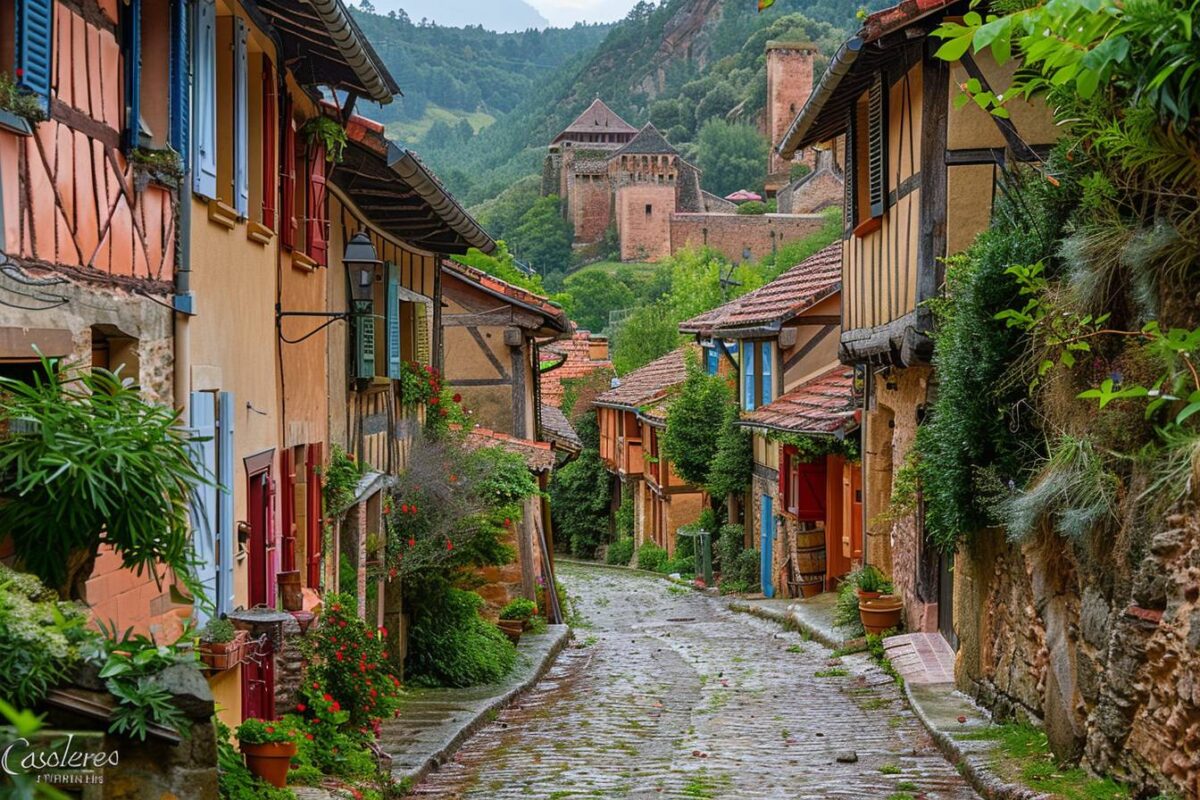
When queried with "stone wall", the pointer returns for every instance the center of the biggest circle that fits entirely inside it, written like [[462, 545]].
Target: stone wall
[[645, 221], [1105, 655], [789, 83], [590, 206], [732, 234]]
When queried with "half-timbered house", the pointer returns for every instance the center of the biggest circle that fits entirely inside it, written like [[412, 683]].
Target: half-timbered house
[[920, 179], [632, 417], [802, 516]]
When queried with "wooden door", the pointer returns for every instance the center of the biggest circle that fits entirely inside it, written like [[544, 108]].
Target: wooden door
[[313, 517], [946, 599], [258, 672]]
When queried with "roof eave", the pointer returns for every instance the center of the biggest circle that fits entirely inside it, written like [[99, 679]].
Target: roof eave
[[361, 57], [401, 161]]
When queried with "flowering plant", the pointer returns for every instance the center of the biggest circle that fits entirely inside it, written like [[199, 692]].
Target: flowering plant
[[351, 670], [419, 384], [261, 731]]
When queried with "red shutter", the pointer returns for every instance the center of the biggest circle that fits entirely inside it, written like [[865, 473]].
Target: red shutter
[[270, 124], [313, 468], [287, 511], [810, 502], [315, 232], [287, 180]]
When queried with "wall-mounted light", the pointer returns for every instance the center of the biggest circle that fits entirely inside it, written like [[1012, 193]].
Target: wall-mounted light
[[360, 260]]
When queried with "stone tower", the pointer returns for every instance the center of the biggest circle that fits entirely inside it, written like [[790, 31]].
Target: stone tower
[[646, 174], [789, 83]]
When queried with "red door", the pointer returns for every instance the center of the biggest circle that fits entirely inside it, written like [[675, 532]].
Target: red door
[[258, 672], [287, 510]]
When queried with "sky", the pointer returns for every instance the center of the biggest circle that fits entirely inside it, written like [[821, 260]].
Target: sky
[[564, 13], [559, 13]]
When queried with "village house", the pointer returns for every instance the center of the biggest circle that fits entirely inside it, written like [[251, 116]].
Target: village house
[[632, 418], [490, 339], [88, 216], [792, 392]]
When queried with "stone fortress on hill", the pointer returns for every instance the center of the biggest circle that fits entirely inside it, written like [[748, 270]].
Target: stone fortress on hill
[[609, 174]]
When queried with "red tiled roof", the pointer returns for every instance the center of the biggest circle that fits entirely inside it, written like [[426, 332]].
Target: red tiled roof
[[576, 361], [824, 404], [649, 383], [555, 316], [891, 19], [801, 287], [539, 456]]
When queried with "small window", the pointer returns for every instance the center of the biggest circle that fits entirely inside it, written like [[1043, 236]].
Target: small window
[[768, 358], [649, 209], [868, 137], [712, 359], [749, 381]]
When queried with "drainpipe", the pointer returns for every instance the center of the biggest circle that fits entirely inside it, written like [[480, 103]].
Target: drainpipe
[[183, 302]]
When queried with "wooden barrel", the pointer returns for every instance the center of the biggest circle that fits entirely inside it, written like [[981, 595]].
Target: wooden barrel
[[810, 561]]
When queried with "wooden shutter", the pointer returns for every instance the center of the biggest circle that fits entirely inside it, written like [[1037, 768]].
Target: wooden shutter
[[315, 231], [226, 530], [364, 346], [849, 179], [810, 499], [202, 413], [241, 125], [748, 378], [313, 519], [270, 123], [287, 509], [287, 179], [35, 48], [180, 79], [204, 100], [393, 321], [877, 145], [423, 350], [131, 44]]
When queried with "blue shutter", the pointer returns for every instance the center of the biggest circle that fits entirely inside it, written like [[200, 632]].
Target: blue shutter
[[204, 100], [748, 380], [181, 78], [241, 139], [768, 385], [226, 530], [131, 43], [35, 48], [203, 422], [712, 359], [393, 322]]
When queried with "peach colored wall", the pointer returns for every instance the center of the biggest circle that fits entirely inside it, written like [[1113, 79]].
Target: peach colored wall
[[789, 83], [645, 236]]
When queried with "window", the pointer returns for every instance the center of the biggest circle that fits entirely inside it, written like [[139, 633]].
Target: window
[[749, 382], [868, 161], [712, 359], [150, 46], [767, 361], [649, 209]]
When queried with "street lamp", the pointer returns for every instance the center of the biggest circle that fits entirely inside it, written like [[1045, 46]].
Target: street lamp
[[360, 260]]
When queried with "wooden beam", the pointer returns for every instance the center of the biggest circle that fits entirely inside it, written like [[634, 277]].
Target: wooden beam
[[1021, 150], [931, 235]]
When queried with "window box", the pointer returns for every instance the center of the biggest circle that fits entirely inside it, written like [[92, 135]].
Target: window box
[[257, 232], [302, 262], [14, 123], [222, 214]]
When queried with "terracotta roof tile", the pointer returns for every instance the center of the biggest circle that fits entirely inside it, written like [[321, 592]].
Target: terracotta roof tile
[[554, 315], [648, 142], [576, 361], [824, 404], [801, 287], [598, 117], [538, 455], [649, 383]]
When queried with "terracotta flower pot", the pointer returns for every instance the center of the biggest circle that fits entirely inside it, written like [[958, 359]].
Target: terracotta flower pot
[[880, 614], [270, 761], [867, 595], [512, 629], [223, 655]]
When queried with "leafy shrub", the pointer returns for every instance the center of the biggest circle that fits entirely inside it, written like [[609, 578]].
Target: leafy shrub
[[218, 631], [352, 663], [580, 494], [752, 207], [625, 513], [846, 614], [41, 638], [451, 645], [620, 552], [728, 545], [234, 780], [261, 731], [747, 568], [651, 557], [519, 608]]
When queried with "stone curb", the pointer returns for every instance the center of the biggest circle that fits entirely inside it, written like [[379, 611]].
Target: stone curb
[[792, 622], [971, 765], [472, 726]]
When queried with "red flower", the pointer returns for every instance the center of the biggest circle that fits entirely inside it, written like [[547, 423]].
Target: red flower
[[270, 729], [336, 706], [374, 693], [433, 401], [449, 545], [404, 508], [308, 736], [457, 397], [445, 413], [301, 707], [411, 541], [328, 698], [342, 623], [339, 655]]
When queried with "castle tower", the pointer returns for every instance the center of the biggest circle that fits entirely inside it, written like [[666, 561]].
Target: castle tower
[[789, 83], [645, 173]]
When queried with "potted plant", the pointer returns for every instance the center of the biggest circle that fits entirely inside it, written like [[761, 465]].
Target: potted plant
[[268, 748], [870, 583], [881, 613], [519, 610], [221, 645]]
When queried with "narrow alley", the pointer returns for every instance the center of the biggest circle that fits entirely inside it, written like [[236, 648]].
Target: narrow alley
[[667, 693]]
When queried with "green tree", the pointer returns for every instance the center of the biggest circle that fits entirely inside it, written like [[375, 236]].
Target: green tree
[[543, 238], [716, 103], [734, 461], [594, 293], [731, 156], [501, 264], [581, 493], [694, 423], [649, 332]]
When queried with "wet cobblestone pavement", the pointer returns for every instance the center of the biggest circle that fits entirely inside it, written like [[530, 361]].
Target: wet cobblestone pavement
[[667, 693]]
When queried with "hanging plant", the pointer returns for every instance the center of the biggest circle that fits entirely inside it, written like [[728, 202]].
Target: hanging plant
[[16, 101], [327, 133]]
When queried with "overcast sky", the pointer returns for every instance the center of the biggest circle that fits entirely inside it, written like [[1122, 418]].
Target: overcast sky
[[563, 13]]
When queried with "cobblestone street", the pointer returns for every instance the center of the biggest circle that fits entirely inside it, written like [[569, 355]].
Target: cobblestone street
[[667, 693]]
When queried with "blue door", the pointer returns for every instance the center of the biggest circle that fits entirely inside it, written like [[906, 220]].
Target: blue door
[[768, 543]]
